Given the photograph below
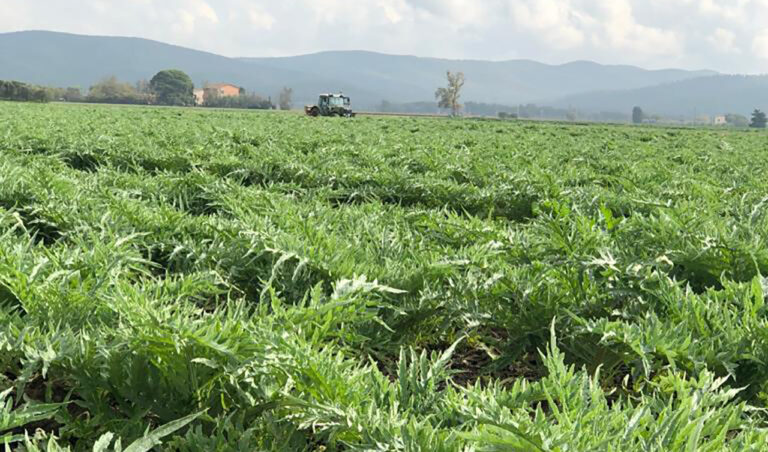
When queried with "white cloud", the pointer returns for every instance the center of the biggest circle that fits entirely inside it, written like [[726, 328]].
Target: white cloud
[[724, 41], [551, 20], [760, 45], [204, 11], [733, 10], [621, 31], [394, 10], [191, 16], [261, 19]]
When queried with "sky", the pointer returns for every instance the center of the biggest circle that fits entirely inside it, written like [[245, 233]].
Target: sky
[[729, 36]]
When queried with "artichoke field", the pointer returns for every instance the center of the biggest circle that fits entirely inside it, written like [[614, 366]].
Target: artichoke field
[[177, 279]]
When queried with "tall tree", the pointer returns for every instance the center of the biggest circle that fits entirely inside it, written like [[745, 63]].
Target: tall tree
[[637, 115], [173, 87], [285, 101], [759, 120], [448, 97]]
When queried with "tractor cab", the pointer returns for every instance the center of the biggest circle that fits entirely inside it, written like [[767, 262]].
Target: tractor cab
[[335, 101], [331, 105]]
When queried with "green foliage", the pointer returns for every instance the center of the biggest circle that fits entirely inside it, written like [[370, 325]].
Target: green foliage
[[448, 96], [736, 120], [14, 419], [244, 100], [173, 87], [759, 120], [18, 91], [637, 115], [112, 91], [221, 280]]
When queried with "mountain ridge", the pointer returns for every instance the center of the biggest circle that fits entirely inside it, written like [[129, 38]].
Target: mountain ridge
[[363, 51], [66, 59], [710, 95]]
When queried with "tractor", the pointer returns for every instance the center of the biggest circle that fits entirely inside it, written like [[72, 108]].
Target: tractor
[[330, 105]]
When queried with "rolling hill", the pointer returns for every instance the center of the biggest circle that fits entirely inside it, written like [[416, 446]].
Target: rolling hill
[[62, 59], [711, 95], [409, 78]]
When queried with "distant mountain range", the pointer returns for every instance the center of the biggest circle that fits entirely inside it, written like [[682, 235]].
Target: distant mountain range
[[61, 59], [718, 94], [408, 78]]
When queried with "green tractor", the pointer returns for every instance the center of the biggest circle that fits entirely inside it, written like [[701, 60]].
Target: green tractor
[[331, 105]]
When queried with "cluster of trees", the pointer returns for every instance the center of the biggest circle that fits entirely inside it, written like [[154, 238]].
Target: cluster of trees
[[248, 100], [110, 90], [448, 99], [534, 111], [12, 90], [23, 92], [736, 120], [168, 87], [523, 111], [244, 100], [758, 121]]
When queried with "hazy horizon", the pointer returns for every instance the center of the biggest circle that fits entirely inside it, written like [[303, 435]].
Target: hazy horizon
[[320, 51], [655, 34]]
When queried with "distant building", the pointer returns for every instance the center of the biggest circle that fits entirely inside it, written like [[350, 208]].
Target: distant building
[[224, 89], [217, 89], [720, 120], [199, 96]]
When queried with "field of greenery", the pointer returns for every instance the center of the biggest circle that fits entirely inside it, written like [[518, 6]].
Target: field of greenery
[[178, 279]]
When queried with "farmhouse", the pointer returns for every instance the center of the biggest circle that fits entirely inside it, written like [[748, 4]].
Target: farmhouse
[[223, 89], [218, 90], [720, 120]]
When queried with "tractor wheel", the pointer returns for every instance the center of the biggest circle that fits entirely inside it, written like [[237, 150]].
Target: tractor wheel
[[314, 112]]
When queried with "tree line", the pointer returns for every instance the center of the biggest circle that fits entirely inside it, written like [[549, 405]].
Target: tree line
[[759, 120], [24, 92], [108, 90], [174, 87], [448, 99], [168, 87]]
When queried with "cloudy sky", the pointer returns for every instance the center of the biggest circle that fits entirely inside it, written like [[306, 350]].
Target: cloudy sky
[[726, 35]]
